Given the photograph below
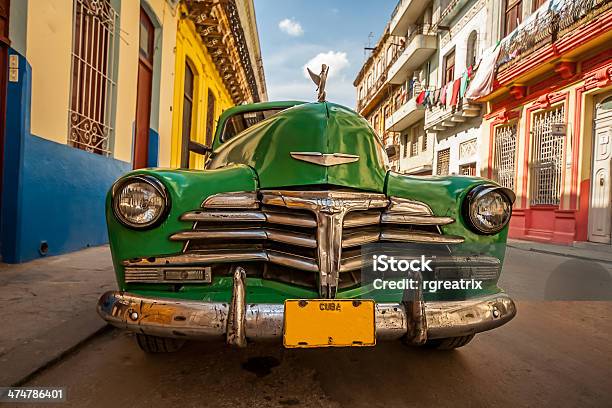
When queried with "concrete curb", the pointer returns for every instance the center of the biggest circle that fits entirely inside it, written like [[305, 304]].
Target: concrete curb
[[26, 360], [565, 251]]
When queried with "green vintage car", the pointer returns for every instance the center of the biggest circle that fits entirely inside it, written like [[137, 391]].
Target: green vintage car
[[266, 242]]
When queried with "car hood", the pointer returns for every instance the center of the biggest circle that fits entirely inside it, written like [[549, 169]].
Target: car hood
[[320, 127]]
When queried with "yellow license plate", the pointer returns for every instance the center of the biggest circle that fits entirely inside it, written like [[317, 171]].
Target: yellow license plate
[[329, 323]]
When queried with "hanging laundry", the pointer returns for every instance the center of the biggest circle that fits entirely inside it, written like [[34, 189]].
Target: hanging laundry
[[443, 95], [436, 97], [449, 93], [482, 83], [427, 99], [420, 98], [465, 81], [455, 92]]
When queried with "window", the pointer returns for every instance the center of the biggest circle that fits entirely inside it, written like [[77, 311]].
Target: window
[[92, 87], [210, 118], [242, 121], [375, 123], [390, 52], [546, 157], [505, 155], [414, 145], [187, 114], [404, 146], [449, 67], [513, 15], [443, 162], [535, 4], [472, 49], [424, 144], [467, 169]]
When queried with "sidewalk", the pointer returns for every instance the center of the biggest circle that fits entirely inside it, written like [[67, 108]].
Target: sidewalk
[[580, 250], [49, 307]]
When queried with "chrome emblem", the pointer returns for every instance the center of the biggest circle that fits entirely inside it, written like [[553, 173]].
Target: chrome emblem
[[325, 159]]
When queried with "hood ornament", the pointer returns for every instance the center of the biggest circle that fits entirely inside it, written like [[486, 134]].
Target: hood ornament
[[320, 80], [325, 159]]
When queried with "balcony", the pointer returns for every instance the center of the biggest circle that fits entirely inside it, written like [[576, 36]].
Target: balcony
[[408, 114], [421, 45], [544, 35], [439, 119], [405, 14], [450, 11], [373, 94]]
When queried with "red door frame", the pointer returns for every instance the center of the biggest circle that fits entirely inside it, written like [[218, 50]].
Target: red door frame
[[143, 92]]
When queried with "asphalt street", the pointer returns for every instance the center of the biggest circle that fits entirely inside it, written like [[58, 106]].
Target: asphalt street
[[556, 352]]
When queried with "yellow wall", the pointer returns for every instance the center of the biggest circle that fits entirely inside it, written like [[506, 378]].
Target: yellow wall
[[49, 42], [189, 47], [48, 50]]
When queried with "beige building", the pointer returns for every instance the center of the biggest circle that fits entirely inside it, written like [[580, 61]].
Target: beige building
[[375, 95], [395, 73], [98, 88]]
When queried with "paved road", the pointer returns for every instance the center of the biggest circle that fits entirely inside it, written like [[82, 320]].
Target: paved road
[[554, 353]]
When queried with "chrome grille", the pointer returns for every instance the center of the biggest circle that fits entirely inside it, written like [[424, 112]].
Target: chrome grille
[[304, 238]]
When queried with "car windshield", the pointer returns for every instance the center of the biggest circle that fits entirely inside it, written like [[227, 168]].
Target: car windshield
[[244, 120]]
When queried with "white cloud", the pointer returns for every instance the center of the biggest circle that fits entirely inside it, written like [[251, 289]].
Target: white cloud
[[336, 60], [291, 27]]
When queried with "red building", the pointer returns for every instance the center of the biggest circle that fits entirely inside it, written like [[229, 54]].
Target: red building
[[548, 127]]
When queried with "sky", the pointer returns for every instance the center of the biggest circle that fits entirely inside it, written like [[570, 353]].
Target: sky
[[298, 33]]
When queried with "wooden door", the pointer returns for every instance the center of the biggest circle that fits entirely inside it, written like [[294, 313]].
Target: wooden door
[[4, 44], [143, 97]]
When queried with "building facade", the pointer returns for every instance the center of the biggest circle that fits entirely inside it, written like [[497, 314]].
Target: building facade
[[211, 38], [414, 74], [456, 122], [439, 44], [548, 126], [91, 94], [375, 94]]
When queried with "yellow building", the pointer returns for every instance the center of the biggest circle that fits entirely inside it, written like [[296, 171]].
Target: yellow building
[[216, 67]]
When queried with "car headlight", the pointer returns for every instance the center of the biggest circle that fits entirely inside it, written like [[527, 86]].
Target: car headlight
[[488, 208], [140, 201]]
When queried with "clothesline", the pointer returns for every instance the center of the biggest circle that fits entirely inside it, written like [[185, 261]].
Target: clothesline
[[449, 95]]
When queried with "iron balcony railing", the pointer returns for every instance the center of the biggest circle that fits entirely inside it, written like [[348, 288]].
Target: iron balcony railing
[[425, 29], [547, 27]]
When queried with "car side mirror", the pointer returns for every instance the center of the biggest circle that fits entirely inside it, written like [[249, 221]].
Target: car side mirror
[[198, 148]]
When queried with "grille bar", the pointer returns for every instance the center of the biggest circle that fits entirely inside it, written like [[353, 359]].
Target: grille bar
[[398, 235], [358, 219], [295, 219], [404, 218], [224, 216], [287, 237]]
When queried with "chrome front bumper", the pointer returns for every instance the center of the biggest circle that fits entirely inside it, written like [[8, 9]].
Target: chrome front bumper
[[237, 321]]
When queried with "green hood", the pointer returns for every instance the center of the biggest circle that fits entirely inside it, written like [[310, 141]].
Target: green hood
[[312, 127]]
